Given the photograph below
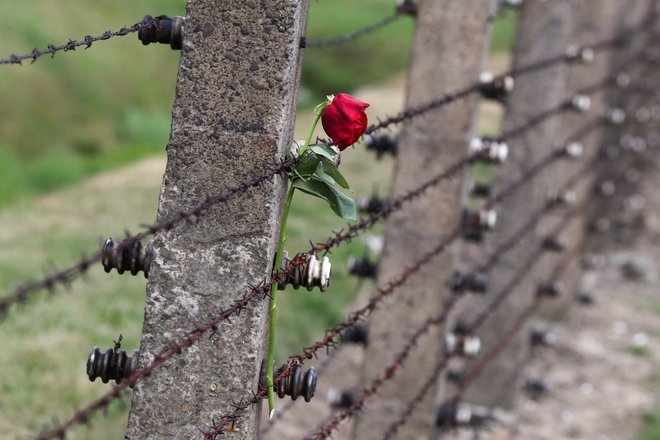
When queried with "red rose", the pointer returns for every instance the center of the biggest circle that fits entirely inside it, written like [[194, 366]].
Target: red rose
[[344, 120]]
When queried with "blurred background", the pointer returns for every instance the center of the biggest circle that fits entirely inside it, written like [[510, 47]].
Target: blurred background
[[82, 152]]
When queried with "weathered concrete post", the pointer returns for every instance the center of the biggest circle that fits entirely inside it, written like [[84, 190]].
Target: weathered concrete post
[[233, 113], [543, 31], [447, 55]]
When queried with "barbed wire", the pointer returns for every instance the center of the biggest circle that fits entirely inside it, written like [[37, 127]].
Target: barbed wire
[[383, 292], [305, 43], [281, 412], [451, 302], [71, 45], [499, 298], [497, 349], [262, 289], [610, 43], [400, 358], [67, 275]]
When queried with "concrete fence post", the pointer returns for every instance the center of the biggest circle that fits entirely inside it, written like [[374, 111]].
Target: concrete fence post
[[447, 55], [233, 113]]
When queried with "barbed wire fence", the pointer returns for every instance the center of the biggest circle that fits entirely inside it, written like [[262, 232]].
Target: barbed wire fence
[[193, 203]]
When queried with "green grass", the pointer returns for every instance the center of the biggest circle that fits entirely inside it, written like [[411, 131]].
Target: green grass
[[651, 427], [65, 118]]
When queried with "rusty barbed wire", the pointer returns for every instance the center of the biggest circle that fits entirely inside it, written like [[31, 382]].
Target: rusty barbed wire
[[305, 43], [400, 358], [382, 292], [279, 415], [403, 7], [525, 269], [71, 45], [65, 276], [617, 41], [507, 245], [496, 350]]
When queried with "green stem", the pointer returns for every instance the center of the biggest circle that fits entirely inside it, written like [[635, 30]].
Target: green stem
[[273, 291], [273, 304], [310, 134]]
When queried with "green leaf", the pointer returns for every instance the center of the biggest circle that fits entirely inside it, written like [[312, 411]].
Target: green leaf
[[307, 165], [341, 204], [324, 150], [331, 170]]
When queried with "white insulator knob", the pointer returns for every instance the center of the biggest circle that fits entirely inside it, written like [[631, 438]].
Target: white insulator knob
[[581, 103], [450, 343], [318, 273], [486, 77], [463, 414], [498, 152], [488, 218], [471, 346], [475, 146], [615, 116], [574, 149], [608, 188], [568, 197]]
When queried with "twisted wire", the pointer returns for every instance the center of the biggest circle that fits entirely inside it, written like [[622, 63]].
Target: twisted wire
[[71, 45], [65, 276], [610, 43], [382, 292], [355, 35], [529, 263]]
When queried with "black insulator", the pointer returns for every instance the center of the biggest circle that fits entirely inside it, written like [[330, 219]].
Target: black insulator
[[446, 415], [341, 399], [454, 376], [554, 244], [111, 365], [585, 298], [355, 334], [407, 7], [552, 290], [462, 328], [362, 268], [474, 234], [371, 205], [541, 338], [483, 190], [477, 282], [134, 259], [295, 383], [162, 29], [496, 88], [535, 387], [382, 144]]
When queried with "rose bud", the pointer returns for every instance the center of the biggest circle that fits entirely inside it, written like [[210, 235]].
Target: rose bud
[[344, 120]]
